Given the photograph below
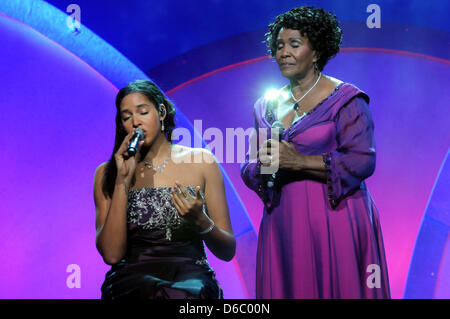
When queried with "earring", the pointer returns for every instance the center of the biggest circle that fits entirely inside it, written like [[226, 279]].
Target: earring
[[162, 121], [316, 68]]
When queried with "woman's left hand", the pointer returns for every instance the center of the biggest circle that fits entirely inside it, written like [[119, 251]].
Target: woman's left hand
[[188, 206], [286, 157]]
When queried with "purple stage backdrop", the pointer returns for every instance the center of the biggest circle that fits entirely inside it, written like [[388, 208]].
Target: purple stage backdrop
[[58, 126]]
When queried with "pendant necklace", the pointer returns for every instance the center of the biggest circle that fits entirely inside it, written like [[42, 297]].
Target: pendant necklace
[[159, 168], [296, 106]]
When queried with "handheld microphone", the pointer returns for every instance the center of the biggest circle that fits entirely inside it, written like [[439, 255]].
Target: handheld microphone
[[132, 147], [278, 128]]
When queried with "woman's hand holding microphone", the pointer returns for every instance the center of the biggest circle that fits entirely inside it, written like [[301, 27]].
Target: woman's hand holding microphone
[[126, 162]]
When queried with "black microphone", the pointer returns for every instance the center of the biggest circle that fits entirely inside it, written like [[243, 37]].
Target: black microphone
[[278, 129], [133, 146]]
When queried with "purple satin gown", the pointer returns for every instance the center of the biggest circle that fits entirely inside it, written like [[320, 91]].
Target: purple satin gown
[[165, 256], [321, 240]]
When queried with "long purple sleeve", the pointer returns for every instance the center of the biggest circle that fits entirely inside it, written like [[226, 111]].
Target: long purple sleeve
[[354, 159], [250, 169]]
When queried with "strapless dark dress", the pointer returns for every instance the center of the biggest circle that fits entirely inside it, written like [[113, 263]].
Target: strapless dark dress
[[165, 256]]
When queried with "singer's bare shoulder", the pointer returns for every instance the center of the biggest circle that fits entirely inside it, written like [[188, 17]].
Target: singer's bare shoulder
[[98, 179], [100, 170], [190, 155]]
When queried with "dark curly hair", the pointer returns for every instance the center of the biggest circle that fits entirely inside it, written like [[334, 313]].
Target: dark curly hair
[[320, 26], [157, 97]]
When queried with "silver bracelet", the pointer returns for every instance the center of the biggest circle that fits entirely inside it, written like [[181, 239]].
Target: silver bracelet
[[210, 228]]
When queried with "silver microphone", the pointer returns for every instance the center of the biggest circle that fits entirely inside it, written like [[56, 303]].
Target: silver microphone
[[132, 148], [278, 127]]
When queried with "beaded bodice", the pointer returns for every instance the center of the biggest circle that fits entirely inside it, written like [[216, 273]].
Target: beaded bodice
[[151, 208]]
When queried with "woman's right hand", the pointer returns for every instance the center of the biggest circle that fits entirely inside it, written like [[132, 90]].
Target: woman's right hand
[[126, 164]]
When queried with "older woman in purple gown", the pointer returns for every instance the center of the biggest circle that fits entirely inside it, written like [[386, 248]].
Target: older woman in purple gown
[[320, 235]]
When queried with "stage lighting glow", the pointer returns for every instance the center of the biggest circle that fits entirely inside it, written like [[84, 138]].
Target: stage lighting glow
[[271, 94]]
